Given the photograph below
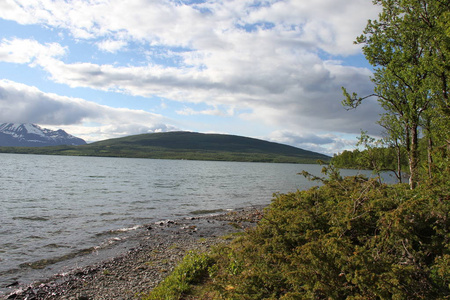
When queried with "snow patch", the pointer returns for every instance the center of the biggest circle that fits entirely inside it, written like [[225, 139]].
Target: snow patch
[[34, 129]]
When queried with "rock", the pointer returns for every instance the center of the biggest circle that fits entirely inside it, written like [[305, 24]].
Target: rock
[[15, 283]]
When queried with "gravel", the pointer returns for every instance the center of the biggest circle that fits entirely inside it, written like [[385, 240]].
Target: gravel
[[161, 246]]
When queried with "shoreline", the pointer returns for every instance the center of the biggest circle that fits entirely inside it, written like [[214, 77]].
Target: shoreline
[[161, 246]]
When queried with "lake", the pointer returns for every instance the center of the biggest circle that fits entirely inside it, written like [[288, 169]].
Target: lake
[[55, 207]]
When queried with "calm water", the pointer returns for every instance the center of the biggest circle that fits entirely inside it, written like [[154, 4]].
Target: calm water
[[56, 206]]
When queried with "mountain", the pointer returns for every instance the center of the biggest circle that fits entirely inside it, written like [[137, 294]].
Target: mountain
[[185, 145], [194, 145], [31, 135], [206, 142]]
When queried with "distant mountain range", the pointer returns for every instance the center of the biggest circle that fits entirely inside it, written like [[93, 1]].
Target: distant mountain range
[[183, 145], [31, 135]]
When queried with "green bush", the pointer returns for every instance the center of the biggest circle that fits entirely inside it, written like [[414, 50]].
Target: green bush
[[352, 238]]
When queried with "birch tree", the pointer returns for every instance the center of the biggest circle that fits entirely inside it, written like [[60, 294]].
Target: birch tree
[[409, 51]]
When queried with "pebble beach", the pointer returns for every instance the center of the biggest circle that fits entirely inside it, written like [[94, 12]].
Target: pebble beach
[[140, 269]]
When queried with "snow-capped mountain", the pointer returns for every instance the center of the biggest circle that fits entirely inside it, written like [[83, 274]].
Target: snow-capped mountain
[[31, 135]]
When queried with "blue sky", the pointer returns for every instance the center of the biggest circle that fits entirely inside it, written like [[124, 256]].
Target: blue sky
[[269, 69]]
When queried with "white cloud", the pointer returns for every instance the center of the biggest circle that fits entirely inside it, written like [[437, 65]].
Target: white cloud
[[292, 138], [294, 88], [188, 111], [111, 45], [329, 143], [26, 50], [20, 103], [326, 24], [261, 63], [98, 132]]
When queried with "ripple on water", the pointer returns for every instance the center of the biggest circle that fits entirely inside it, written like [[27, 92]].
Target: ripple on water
[[32, 218], [42, 263], [208, 211], [35, 237], [108, 213], [55, 246]]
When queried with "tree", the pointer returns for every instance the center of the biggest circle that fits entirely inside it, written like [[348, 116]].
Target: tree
[[441, 56], [410, 56], [371, 157], [393, 138]]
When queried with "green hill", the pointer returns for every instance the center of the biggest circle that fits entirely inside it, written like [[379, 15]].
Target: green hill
[[185, 145]]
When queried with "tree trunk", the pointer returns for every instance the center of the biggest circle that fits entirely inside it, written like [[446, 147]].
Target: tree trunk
[[430, 156], [413, 157], [429, 139], [408, 148], [399, 163]]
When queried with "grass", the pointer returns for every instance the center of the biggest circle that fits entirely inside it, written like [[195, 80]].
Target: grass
[[192, 269]]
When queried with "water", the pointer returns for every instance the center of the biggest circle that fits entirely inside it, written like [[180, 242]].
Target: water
[[55, 207]]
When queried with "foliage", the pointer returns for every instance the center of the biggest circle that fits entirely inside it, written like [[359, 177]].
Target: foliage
[[384, 157], [191, 270], [352, 238], [409, 47]]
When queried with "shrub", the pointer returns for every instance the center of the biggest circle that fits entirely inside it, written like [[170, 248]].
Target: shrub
[[352, 238]]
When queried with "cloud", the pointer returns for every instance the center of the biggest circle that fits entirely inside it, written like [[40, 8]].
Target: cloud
[[27, 50], [328, 144], [188, 111], [326, 24], [212, 25], [111, 45], [302, 91], [265, 61], [314, 103], [292, 138], [20, 103], [97, 132]]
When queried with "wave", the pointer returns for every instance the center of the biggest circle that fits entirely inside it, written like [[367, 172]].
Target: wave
[[126, 229], [208, 211], [32, 218], [42, 263]]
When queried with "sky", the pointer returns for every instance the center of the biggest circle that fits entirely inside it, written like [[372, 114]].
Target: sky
[[268, 69]]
